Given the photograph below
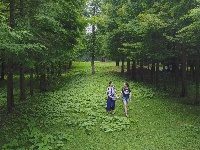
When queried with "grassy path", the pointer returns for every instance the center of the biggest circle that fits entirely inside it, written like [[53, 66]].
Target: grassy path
[[73, 117]]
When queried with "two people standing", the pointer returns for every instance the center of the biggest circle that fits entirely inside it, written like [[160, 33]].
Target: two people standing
[[111, 92]]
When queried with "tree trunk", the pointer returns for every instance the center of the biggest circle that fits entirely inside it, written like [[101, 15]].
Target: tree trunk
[[59, 69], [152, 71], [52, 69], [192, 71], [183, 73], [2, 70], [148, 65], [141, 71], [65, 68], [173, 65], [12, 9], [117, 62], [10, 97], [22, 8], [164, 67], [122, 67], [48, 74], [37, 71], [70, 64], [176, 82], [128, 66], [22, 83], [187, 67], [93, 48], [134, 70], [22, 67], [197, 100], [164, 78], [43, 83], [103, 59], [31, 82], [92, 64], [157, 74]]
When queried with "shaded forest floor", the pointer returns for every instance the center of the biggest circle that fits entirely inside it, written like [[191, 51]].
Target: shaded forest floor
[[72, 116]]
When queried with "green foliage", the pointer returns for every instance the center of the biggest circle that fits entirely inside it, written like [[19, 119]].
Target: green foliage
[[190, 33], [45, 35], [144, 29], [111, 124]]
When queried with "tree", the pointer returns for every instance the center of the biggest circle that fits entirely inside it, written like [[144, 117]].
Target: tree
[[93, 9], [189, 35], [10, 97]]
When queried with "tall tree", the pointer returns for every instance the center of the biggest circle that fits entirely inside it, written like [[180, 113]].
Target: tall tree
[[93, 9], [10, 97], [22, 67]]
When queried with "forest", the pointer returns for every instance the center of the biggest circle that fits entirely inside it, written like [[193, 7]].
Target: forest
[[57, 58]]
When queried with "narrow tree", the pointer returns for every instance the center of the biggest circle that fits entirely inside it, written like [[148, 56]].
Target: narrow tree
[[92, 11], [197, 99], [128, 66], [2, 68], [22, 67], [183, 73], [10, 97]]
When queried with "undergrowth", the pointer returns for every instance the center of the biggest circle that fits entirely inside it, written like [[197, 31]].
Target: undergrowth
[[72, 115]]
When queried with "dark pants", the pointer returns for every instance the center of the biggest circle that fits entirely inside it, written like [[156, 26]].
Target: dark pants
[[110, 104]]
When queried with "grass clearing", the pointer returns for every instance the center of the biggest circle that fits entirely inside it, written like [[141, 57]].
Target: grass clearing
[[73, 116]]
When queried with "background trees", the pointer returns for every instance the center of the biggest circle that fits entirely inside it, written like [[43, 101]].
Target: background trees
[[41, 39], [153, 34], [37, 38]]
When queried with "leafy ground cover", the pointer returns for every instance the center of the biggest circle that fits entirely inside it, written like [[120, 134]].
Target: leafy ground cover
[[73, 116]]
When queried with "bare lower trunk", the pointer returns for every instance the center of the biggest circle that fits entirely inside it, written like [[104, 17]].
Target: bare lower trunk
[[43, 83], [157, 74], [134, 70], [176, 82], [164, 78], [22, 83], [183, 72], [192, 71], [92, 64], [37, 71], [22, 8], [10, 98], [141, 71], [197, 99], [122, 67], [128, 66], [2, 70], [31, 82], [148, 65], [65, 69], [70, 64], [59, 69], [152, 72], [117, 62]]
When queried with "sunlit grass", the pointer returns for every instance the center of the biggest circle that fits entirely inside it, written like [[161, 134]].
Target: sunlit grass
[[72, 116]]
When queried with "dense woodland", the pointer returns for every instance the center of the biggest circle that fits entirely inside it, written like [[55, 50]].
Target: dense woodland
[[157, 39], [37, 38], [58, 56]]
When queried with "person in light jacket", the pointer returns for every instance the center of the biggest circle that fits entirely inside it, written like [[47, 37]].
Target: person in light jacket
[[111, 92]]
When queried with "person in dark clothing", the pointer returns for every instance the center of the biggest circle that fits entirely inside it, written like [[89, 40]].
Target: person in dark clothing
[[126, 97]]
